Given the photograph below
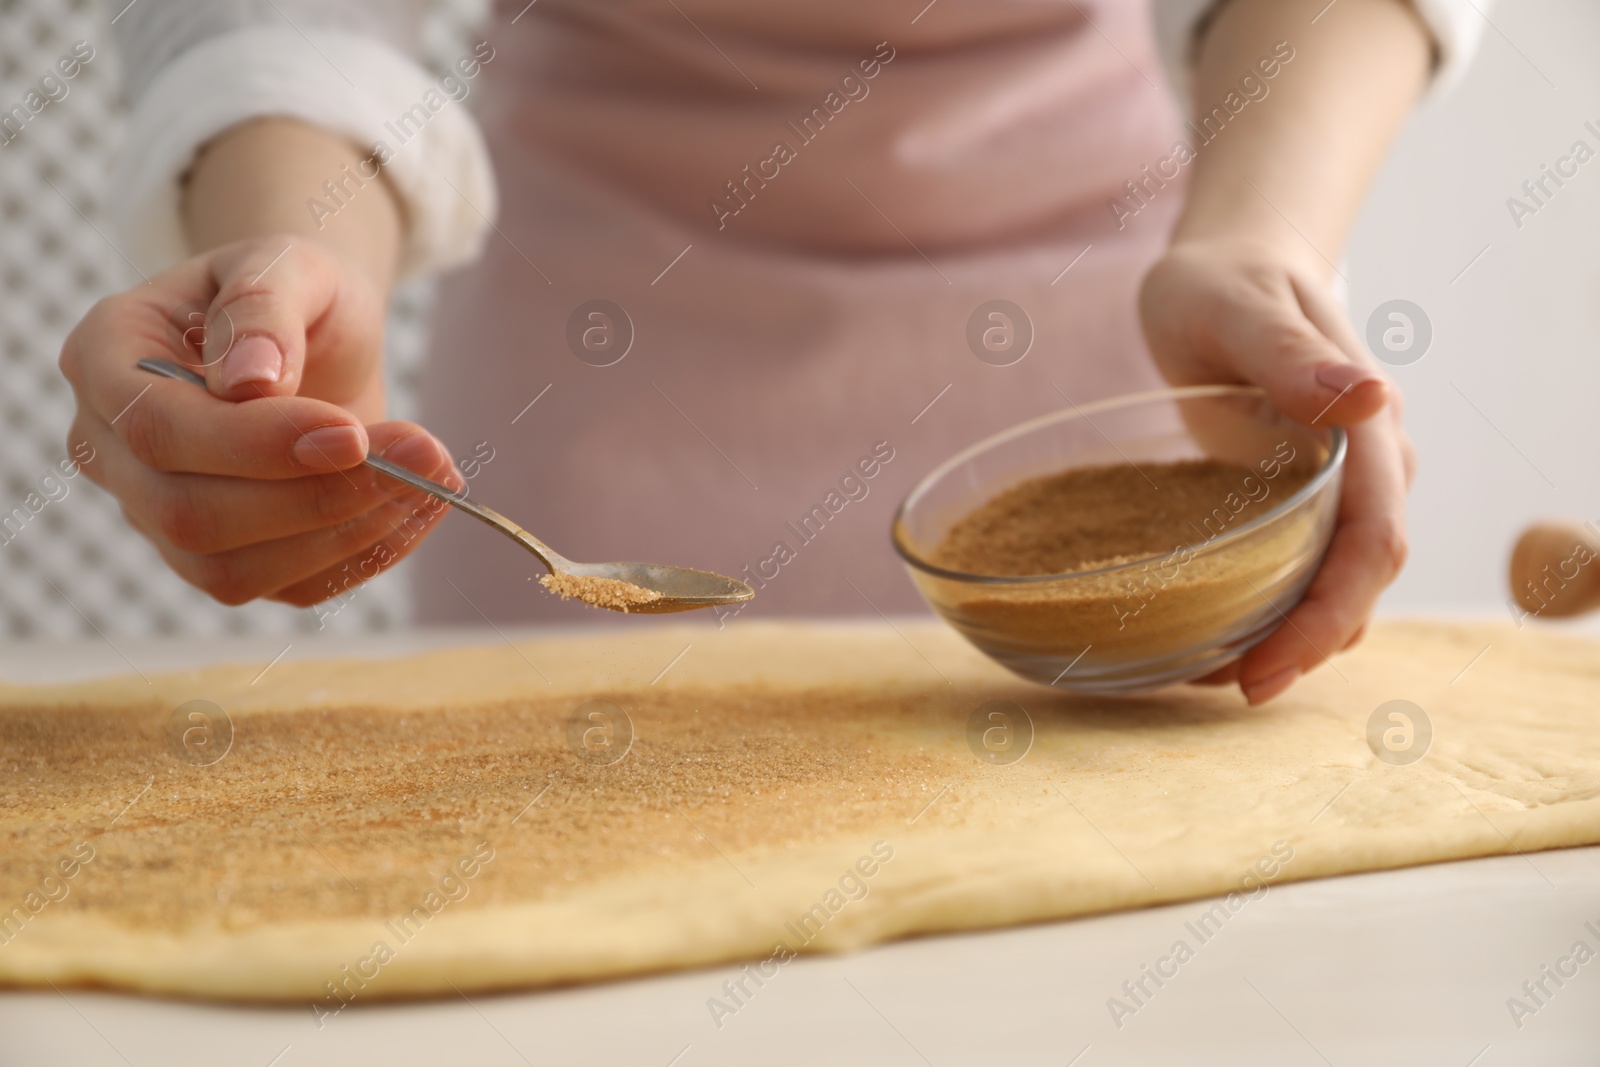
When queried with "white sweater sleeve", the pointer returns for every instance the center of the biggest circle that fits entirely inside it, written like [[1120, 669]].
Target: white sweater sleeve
[[193, 73], [1456, 26]]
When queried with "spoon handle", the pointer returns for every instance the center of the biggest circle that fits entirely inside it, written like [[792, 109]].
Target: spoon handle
[[178, 372]]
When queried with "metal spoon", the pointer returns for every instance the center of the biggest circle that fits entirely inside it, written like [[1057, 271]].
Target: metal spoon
[[681, 588]]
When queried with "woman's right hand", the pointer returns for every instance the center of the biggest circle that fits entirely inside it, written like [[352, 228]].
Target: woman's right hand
[[253, 488]]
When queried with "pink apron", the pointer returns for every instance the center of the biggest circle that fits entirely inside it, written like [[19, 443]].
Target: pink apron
[[748, 319]]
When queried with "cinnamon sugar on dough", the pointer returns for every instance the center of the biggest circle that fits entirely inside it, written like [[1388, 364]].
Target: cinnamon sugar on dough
[[611, 593], [761, 770]]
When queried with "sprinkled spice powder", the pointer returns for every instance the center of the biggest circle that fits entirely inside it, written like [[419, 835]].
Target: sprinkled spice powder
[[1090, 518], [611, 593]]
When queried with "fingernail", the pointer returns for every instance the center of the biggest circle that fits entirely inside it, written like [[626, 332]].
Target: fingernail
[[330, 448], [418, 452], [1271, 686], [1342, 376], [252, 360]]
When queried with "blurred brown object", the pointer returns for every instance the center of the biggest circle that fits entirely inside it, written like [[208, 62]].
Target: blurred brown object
[[1553, 570]]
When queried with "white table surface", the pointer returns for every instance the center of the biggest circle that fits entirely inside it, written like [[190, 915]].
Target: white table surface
[[1404, 967]]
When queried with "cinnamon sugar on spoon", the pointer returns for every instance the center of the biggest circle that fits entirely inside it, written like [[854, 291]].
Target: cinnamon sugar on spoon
[[613, 593]]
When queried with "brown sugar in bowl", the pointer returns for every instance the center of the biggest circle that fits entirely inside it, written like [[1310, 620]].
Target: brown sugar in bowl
[[1129, 544]]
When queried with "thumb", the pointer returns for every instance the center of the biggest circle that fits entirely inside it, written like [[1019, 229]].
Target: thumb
[[269, 292], [1292, 350]]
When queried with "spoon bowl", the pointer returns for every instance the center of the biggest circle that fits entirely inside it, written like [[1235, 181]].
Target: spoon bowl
[[681, 588]]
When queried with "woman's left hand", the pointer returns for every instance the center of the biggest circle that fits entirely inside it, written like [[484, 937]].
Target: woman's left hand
[[1239, 311]]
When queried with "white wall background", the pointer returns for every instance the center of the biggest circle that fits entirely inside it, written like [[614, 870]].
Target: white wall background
[[1519, 333]]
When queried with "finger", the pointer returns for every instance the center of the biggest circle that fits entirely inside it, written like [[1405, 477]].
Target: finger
[[1224, 675], [1366, 553], [1274, 342], [1408, 451], [173, 426], [344, 575], [208, 514], [261, 570], [1355, 638], [272, 296], [1330, 318]]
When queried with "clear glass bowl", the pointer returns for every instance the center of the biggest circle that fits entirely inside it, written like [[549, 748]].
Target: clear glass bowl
[[1153, 621]]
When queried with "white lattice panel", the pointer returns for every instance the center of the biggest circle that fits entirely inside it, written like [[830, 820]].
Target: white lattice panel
[[75, 568]]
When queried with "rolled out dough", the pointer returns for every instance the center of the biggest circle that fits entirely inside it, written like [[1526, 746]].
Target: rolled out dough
[[772, 771]]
